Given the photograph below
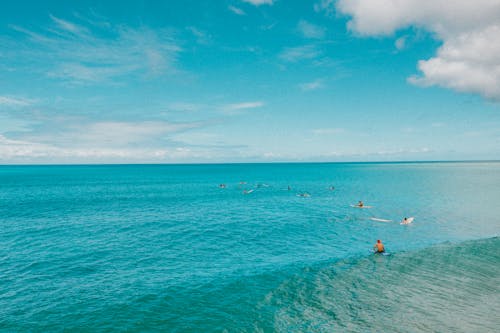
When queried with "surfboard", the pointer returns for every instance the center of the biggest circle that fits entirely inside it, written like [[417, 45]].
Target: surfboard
[[408, 220], [379, 220], [381, 253], [364, 206]]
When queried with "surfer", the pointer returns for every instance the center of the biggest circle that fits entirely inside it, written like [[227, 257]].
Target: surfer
[[378, 247], [407, 220], [360, 203]]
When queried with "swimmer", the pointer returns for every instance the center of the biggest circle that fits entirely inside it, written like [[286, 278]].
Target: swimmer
[[378, 247], [289, 188], [331, 188], [222, 185]]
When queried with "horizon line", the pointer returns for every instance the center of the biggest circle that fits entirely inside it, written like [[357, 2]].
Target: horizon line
[[241, 163]]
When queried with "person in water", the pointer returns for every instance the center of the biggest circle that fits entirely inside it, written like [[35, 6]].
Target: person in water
[[360, 203], [378, 247]]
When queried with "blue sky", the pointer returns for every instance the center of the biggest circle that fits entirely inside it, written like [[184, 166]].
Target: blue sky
[[248, 81]]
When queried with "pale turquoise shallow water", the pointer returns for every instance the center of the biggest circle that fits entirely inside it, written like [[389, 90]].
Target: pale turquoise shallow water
[[162, 247]]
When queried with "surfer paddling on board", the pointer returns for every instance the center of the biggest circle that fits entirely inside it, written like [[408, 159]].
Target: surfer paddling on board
[[378, 247], [360, 203]]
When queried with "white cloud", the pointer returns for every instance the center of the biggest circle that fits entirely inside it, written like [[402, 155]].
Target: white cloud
[[296, 54], [328, 131], [468, 59], [14, 101], [184, 107], [68, 26], [239, 107], [326, 6], [259, 2], [310, 30], [125, 133], [82, 54], [98, 141], [314, 85], [400, 43], [236, 10], [466, 63], [201, 36], [19, 150], [383, 17]]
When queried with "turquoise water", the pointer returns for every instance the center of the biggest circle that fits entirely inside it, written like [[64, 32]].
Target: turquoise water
[[162, 247]]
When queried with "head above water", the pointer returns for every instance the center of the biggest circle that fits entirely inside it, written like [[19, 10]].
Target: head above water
[[378, 240]]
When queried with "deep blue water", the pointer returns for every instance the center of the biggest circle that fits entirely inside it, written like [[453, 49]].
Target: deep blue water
[[163, 247]]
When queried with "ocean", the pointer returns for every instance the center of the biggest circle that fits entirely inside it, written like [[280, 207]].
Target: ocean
[[138, 248]]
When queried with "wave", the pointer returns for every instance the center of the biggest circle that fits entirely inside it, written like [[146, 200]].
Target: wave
[[444, 288]]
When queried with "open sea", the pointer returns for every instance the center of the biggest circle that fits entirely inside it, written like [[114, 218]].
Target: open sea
[[147, 248]]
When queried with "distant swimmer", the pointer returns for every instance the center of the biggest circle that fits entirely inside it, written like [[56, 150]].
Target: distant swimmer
[[331, 188], [378, 247], [407, 220], [247, 191], [222, 185], [289, 188], [304, 195]]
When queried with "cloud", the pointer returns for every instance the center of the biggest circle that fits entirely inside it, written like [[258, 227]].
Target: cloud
[[184, 107], [237, 108], [15, 101], [26, 151], [328, 131], [236, 10], [299, 53], [466, 63], [201, 37], [259, 2], [68, 26], [126, 133], [400, 43], [96, 53], [109, 140], [314, 85], [326, 6], [468, 59], [310, 30]]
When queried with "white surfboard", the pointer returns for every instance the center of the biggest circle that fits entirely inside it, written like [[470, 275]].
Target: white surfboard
[[362, 207], [408, 220], [379, 220]]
